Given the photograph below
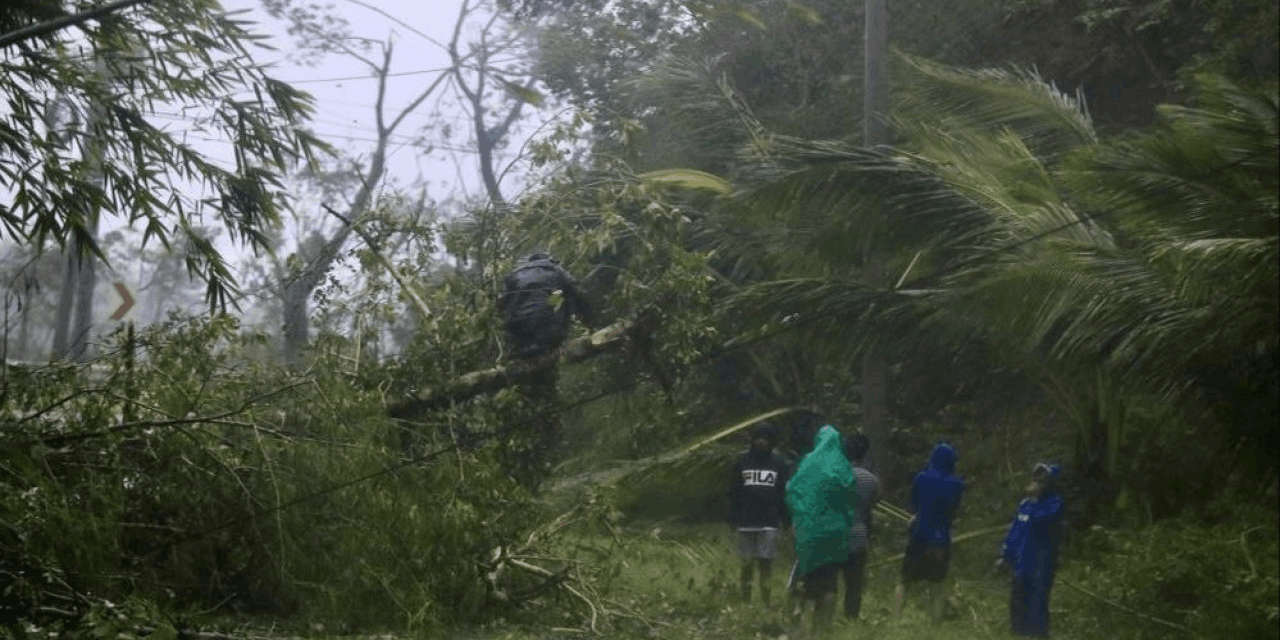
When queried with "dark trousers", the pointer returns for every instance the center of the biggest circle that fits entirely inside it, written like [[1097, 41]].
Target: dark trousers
[[528, 453], [854, 570], [1029, 606]]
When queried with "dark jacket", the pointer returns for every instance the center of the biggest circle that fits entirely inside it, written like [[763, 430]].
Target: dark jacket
[[935, 497], [1031, 548], [757, 490], [539, 299]]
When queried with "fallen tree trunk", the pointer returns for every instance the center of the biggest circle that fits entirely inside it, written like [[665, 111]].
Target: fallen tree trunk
[[477, 382]]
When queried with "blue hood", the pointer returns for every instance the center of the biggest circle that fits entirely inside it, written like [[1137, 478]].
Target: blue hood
[[1054, 470], [935, 496], [943, 458]]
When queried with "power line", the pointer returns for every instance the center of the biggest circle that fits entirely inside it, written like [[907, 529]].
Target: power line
[[396, 139], [370, 77]]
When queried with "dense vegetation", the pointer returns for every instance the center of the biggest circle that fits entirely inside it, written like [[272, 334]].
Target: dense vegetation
[[1087, 277]]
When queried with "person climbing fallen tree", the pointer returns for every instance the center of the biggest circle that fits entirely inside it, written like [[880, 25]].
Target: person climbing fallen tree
[[1030, 553], [538, 303]]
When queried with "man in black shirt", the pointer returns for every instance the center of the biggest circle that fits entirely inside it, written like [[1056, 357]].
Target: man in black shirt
[[757, 509]]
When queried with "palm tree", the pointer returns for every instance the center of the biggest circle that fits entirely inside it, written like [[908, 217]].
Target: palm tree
[[1108, 271]]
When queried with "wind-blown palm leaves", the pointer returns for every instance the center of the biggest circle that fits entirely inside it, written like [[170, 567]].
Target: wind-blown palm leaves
[[1197, 198], [1103, 268]]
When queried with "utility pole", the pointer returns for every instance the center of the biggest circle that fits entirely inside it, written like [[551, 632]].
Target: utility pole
[[875, 132]]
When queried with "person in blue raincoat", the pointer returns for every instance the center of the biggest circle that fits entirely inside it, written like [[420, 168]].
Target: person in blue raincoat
[[935, 498], [1030, 553], [820, 498]]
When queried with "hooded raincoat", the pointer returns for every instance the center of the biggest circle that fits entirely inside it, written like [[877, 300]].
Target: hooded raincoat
[[935, 496], [1031, 550], [820, 498]]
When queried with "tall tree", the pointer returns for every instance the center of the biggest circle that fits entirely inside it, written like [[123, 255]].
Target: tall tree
[[485, 79], [317, 256], [152, 177], [1085, 263], [875, 132]]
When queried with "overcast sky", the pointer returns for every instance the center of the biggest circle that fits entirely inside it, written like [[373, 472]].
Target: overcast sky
[[345, 89]]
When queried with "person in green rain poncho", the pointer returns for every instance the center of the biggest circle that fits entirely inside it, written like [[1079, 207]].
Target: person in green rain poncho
[[820, 496]]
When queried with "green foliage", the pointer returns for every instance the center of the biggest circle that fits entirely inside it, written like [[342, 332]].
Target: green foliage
[[1212, 575], [1012, 224], [1003, 254], [1219, 580], [79, 141], [1229, 38], [182, 471]]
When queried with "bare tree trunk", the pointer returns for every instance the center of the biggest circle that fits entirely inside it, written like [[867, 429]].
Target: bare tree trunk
[[74, 319], [296, 329], [487, 138], [66, 301], [875, 370], [86, 278], [296, 292], [875, 99], [87, 282], [22, 348]]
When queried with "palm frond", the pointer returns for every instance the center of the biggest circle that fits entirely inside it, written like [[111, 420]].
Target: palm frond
[[1204, 172], [831, 201], [681, 460], [1000, 173], [1048, 120], [711, 118]]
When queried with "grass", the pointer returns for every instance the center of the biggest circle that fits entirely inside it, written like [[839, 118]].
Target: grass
[[660, 576], [672, 580], [678, 580], [666, 580]]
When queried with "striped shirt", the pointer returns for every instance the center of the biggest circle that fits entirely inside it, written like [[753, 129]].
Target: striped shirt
[[867, 490]]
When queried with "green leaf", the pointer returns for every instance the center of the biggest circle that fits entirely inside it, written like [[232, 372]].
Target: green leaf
[[164, 631], [525, 94], [804, 14], [748, 16], [688, 179]]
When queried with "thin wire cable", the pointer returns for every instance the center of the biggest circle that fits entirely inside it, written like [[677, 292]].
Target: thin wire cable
[[368, 77]]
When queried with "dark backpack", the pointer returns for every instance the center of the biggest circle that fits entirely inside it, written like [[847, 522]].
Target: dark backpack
[[528, 289]]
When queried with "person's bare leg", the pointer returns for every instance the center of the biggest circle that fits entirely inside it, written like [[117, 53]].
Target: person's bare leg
[[766, 572], [744, 580], [937, 602], [899, 594]]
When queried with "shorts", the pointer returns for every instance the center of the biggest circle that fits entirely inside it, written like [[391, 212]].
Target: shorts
[[820, 581], [924, 561], [762, 544]]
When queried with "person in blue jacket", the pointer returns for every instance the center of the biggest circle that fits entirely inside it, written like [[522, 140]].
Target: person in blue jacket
[[935, 497], [1030, 553]]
